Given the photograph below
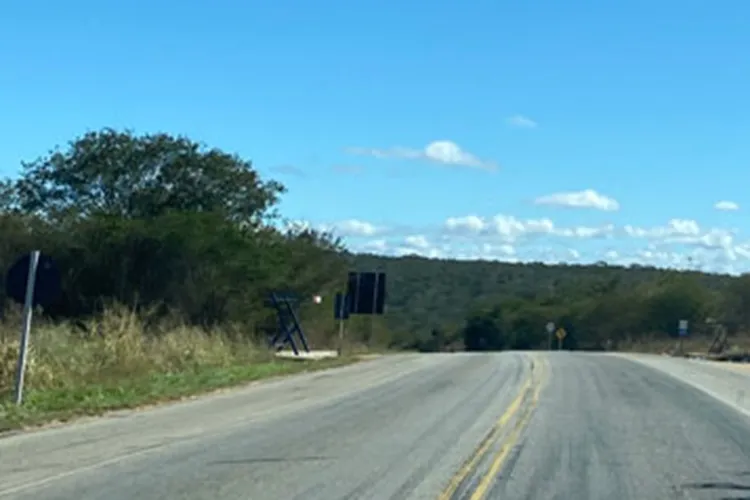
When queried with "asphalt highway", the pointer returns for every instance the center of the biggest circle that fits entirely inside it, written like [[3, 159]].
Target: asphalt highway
[[441, 426]]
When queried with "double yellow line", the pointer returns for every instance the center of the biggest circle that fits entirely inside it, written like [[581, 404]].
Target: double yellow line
[[529, 389]]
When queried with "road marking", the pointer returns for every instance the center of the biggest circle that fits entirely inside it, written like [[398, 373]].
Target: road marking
[[480, 492], [491, 438]]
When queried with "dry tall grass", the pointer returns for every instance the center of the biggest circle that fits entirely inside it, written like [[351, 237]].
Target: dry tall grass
[[114, 346], [115, 362]]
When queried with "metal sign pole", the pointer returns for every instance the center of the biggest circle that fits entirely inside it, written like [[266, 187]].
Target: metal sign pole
[[374, 303], [550, 330], [341, 336], [342, 306], [682, 331], [560, 334], [28, 309]]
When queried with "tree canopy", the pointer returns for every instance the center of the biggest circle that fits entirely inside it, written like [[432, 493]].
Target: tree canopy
[[124, 175], [159, 223]]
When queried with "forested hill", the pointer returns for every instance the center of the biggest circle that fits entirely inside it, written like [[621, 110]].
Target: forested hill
[[434, 301]]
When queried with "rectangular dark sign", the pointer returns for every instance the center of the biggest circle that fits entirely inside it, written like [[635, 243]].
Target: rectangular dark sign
[[365, 293]]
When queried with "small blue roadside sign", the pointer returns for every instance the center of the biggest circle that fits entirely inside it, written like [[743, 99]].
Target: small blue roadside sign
[[682, 328]]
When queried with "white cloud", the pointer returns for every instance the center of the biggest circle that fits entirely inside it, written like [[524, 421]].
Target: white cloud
[[589, 232], [611, 255], [443, 152], [431, 253], [663, 258], [520, 121], [507, 249], [674, 228], [743, 250], [699, 259], [417, 241], [571, 254], [470, 223], [483, 251], [354, 227], [679, 243], [726, 206], [344, 228], [685, 232], [511, 228], [375, 246], [587, 198], [733, 261]]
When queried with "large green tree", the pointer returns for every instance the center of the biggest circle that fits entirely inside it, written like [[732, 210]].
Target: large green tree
[[119, 173], [162, 224]]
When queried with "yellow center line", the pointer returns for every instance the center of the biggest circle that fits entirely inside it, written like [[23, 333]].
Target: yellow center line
[[489, 440], [488, 480]]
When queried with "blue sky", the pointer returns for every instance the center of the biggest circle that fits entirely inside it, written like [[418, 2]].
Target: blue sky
[[447, 128]]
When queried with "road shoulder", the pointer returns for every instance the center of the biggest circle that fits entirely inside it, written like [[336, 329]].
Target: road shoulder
[[729, 385]]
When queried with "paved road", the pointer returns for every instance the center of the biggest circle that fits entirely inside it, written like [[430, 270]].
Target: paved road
[[608, 427], [512, 426]]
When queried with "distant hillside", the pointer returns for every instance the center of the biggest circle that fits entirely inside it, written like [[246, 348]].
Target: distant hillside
[[425, 294]]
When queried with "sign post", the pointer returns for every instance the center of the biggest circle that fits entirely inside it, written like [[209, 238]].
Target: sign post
[[341, 327], [560, 333], [374, 307], [550, 331], [682, 331], [341, 313], [33, 280], [28, 309]]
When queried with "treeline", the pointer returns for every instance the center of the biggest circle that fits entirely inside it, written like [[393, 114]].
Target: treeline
[[166, 227], [446, 305]]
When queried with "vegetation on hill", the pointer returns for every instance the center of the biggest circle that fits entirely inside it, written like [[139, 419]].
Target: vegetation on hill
[[443, 304]]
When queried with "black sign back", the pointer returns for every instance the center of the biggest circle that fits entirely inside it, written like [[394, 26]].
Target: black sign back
[[47, 284]]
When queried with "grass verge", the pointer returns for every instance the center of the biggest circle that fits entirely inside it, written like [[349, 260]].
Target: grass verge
[[58, 405], [71, 375]]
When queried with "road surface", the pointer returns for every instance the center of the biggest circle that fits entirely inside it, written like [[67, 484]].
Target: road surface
[[444, 426]]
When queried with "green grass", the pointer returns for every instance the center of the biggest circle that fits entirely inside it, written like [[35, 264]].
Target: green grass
[[70, 376], [46, 405]]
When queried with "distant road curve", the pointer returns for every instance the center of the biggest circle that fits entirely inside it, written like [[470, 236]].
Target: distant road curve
[[438, 426]]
